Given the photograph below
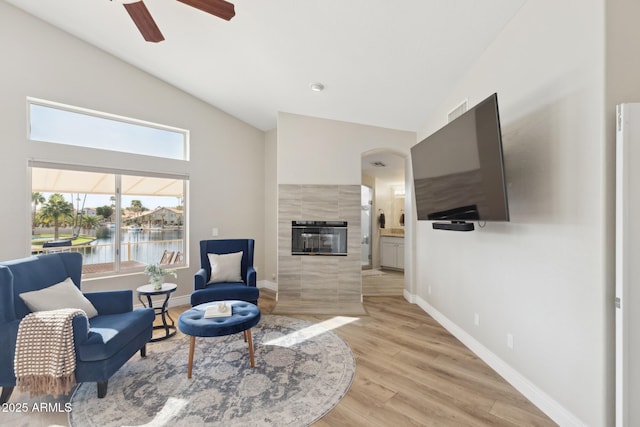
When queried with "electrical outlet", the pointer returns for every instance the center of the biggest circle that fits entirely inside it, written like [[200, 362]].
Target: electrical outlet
[[273, 276], [214, 232], [429, 290], [476, 319], [510, 341]]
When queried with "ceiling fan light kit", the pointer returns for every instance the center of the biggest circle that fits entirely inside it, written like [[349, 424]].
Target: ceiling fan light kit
[[149, 29]]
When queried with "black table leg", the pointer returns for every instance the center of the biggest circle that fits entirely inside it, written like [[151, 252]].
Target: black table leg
[[170, 330]]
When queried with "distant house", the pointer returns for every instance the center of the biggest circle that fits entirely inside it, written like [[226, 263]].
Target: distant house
[[158, 217]]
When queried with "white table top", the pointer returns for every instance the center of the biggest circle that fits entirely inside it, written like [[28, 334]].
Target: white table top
[[148, 289]]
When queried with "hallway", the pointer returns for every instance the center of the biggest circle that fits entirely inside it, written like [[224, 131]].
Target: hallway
[[382, 283]]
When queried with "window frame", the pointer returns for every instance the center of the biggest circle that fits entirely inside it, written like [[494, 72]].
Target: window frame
[[118, 241], [109, 117], [156, 167]]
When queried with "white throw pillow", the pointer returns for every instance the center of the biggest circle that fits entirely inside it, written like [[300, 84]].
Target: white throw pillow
[[225, 267], [62, 295]]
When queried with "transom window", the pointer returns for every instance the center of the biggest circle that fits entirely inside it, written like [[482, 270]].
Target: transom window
[[64, 124]]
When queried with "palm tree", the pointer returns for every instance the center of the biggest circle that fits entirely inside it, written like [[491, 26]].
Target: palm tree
[[77, 220], [35, 199], [57, 209], [89, 222], [105, 211], [136, 206], [113, 207]]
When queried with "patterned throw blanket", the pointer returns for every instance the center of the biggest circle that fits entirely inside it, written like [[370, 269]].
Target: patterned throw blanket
[[45, 359]]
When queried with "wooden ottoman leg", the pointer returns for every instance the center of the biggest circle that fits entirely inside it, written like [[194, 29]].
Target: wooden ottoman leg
[[250, 341], [192, 346]]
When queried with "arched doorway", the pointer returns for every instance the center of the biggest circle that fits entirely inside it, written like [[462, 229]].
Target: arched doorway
[[384, 172]]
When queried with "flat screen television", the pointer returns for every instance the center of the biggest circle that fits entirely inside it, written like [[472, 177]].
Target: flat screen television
[[458, 171]]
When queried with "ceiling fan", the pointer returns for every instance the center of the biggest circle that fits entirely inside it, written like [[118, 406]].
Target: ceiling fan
[[150, 31]]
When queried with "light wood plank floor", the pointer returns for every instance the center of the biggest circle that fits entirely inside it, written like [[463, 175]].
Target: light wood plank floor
[[409, 372], [382, 283]]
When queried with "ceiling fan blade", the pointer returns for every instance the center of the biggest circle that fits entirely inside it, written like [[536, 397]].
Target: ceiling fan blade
[[144, 21], [220, 8]]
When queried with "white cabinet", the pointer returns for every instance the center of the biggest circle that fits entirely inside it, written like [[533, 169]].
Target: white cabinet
[[392, 252]]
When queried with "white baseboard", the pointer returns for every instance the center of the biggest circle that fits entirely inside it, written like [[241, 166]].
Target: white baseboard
[[409, 297], [186, 299], [181, 300], [173, 301], [542, 400], [267, 284]]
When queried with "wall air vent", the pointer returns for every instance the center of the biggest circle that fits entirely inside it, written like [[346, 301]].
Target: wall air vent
[[458, 111]]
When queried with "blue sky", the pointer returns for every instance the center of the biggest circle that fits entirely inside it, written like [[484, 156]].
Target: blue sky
[[51, 124]]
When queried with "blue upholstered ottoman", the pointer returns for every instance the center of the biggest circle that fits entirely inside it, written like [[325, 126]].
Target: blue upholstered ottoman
[[244, 316]]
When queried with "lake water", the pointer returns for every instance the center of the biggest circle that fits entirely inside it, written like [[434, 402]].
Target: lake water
[[143, 246]]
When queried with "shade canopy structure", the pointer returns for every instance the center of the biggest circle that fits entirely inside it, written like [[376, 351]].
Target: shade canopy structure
[[83, 182]]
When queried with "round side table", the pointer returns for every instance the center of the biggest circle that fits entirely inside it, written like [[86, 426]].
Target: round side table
[[166, 290]]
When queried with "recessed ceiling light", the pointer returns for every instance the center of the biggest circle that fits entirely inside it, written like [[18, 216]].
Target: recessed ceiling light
[[317, 87]]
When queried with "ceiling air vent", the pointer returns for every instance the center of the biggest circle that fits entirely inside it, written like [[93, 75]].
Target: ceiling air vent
[[458, 111]]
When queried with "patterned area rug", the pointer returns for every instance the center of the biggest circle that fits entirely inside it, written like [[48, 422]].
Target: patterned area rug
[[302, 371]]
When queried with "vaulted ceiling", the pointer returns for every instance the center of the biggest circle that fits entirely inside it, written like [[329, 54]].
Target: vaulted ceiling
[[383, 63]]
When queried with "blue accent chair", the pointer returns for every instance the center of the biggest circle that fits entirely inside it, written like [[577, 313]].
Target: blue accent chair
[[243, 291], [113, 336]]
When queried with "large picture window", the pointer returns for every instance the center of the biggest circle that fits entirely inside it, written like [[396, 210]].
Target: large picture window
[[119, 222]]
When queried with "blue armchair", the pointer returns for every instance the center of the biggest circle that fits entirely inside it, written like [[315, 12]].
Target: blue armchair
[[113, 336], [244, 290]]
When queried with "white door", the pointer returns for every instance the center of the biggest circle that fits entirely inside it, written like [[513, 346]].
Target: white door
[[366, 221], [628, 265]]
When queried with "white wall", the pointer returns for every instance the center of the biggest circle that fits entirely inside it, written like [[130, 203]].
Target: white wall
[[271, 209], [542, 277], [320, 151], [227, 166], [623, 69]]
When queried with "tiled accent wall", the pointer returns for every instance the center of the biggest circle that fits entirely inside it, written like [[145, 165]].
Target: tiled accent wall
[[323, 279]]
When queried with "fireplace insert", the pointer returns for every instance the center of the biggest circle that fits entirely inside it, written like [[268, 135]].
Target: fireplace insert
[[319, 238]]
